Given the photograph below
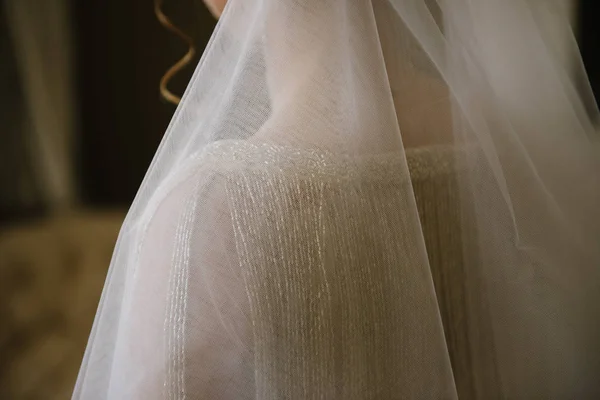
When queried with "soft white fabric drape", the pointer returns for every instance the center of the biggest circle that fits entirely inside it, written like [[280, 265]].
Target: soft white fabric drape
[[386, 199]]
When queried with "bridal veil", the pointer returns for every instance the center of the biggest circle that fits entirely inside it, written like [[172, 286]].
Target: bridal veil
[[365, 199]]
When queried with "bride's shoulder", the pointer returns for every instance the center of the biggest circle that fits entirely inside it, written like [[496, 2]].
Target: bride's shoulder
[[221, 166]]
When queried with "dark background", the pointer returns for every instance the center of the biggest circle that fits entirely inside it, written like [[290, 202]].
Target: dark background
[[122, 52], [589, 40], [54, 254]]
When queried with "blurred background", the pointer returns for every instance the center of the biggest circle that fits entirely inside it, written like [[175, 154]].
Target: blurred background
[[81, 117]]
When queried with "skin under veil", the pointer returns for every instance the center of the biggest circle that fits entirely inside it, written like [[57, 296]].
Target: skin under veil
[[215, 6]]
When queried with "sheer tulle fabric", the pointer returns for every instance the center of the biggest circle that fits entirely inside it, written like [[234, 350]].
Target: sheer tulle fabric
[[386, 199]]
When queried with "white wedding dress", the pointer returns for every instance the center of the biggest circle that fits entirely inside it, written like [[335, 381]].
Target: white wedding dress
[[365, 199]]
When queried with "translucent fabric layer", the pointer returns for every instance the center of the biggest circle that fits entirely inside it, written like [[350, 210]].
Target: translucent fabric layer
[[365, 199]]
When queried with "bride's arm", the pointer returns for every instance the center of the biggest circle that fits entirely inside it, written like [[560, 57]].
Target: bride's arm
[[186, 280]]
